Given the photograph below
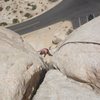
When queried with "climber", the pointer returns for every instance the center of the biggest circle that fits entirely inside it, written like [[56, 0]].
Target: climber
[[44, 52]]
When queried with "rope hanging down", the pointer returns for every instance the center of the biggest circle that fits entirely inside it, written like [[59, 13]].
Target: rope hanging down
[[77, 42]]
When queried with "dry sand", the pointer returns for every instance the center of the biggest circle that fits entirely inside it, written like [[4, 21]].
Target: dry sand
[[16, 11], [43, 37]]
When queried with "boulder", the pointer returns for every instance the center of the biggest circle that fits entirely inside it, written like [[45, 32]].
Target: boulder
[[78, 56], [56, 86], [20, 67], [62, 33]]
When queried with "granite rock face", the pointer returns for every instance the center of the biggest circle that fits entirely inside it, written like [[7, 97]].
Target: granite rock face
[[78, 56], [76, 61], [20, 67], [57, 86]]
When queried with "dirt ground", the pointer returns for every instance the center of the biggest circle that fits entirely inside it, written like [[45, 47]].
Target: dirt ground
[[43, 37], [17, 11]]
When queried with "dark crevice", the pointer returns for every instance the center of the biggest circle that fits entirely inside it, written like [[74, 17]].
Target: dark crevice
[[34, 82], [42, 76]]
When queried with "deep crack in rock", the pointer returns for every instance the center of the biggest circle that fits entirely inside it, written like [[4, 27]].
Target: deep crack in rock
[[42, 76], [34, 82]]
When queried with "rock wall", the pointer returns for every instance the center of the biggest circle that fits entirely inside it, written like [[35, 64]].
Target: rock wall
[[78, 56], [20, 67], [57, 86]]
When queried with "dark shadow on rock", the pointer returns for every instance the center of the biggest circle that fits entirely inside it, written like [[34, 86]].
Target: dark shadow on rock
[[34, 82]]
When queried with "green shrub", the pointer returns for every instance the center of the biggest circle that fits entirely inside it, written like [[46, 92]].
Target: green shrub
[[69, 31], [15, 20], [34, 7], [28, 15], [3, 24], [7, 8]]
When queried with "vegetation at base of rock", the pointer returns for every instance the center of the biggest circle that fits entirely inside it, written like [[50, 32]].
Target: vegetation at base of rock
[[28, 15], [69, 31], [3, 24], [15, 20]]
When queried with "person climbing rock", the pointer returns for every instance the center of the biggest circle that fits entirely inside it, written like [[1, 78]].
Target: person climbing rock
[[45, 51]]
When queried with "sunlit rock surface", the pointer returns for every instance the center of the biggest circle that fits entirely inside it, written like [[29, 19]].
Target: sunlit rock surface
[[56, 86], [20, 67], [78, 57]]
